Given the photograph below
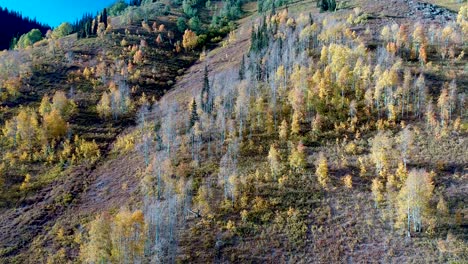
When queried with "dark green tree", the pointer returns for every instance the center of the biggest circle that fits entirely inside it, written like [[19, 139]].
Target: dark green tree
[[205, 94], [193, 115], [242, 69], [181, 25], [104, 17]]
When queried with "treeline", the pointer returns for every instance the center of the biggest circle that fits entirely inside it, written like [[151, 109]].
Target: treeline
[[15, 25]]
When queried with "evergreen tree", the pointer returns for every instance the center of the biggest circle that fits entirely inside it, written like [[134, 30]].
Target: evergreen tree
[[104, 17], [194, 115], [242, 69], [205, 94]]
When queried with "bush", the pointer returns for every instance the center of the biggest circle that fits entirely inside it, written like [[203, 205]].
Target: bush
[[63, 30], [29, 39], [117, 8]]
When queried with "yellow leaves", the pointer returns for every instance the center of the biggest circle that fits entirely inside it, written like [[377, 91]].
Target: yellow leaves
[[283, 130], [26, 182], [297, 158], [413, 198], [401, 173], [87, 72], [296, 123], [308, 31], [274, 160], [322, 171], [381, 152], [98, 248], [419, 36], [54, 125], [348, 181], [12, 85], [190, 40], [324, 55], [103, 108], [62, 104], [87, 151], [462, 18], [377, 191]]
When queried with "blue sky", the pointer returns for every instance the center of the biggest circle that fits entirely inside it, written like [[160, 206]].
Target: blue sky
[[54, 12]]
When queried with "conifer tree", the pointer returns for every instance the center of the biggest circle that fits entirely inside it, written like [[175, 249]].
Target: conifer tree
[[193, 113], [205, 97]]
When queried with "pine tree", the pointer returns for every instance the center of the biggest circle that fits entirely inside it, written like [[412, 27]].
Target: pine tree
[[242, 69], [104, 17], [205, 97], [193, 113]]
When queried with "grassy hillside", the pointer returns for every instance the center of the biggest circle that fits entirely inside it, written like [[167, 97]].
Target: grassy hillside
[[304, 136]]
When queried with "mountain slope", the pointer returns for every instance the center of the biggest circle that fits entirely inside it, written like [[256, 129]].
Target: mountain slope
[[294, 141]]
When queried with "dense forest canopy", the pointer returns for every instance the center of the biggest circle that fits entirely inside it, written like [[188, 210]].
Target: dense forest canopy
[[13, 24]]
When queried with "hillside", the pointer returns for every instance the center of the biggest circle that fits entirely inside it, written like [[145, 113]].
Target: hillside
[[303, 136]]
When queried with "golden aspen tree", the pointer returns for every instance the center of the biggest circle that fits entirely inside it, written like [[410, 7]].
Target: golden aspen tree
[[63, 105], [443, 104], [431, 121], [386, 34], [26, 129], [202, 200], [322, 170], [54, 125], [295, 124], [401, 173], [26, 182], [381, 147], [348, 181], [189, 40], [87, 73], [45, 106], [297, 158], [419, 36], [414, 196], [275, 161], [98, 248], [128, 237], [283, 130], [377, 191], [462, 19], [104, 106]]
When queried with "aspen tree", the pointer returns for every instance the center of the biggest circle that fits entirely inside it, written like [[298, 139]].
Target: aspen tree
[[283, 130], [297, 158], [414, 199], [380, 152], [275, 161], [377, 191], [99, 247], [322, 171]]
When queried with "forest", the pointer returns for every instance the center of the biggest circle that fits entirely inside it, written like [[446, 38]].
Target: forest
[[238, 132], [15, 25]]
